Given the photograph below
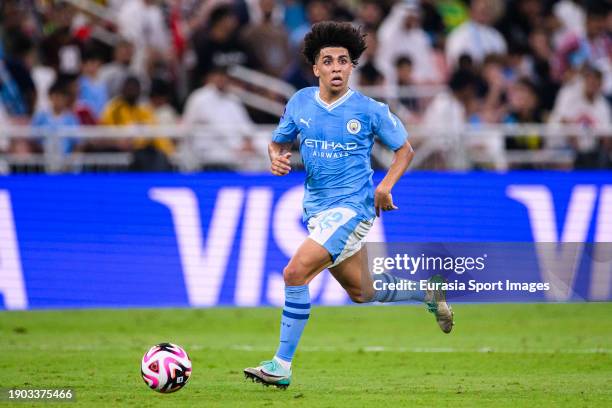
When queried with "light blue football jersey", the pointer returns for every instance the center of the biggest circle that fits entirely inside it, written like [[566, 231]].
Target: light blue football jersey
[[335, 142]]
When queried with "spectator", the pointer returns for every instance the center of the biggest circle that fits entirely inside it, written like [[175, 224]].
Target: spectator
[[582, 103], [370, 14], [16, 21], [340, 11], [495, 87], [300, 74], [432, 22], [404, 73], [142, 23], [18, 89], [405, 106], [367, 59], [524, 107], [213, 105], [257, 10], [220, 44], [517, 63], [452, 108], [59, 48], [316, 11], [92, 90], [447, 114], [369, 76], [81, 111], [269, 41], [58, 116], [519, 20], [401, 34], [594, 48], [159, 97], [541, 54], [126, 109], [466, 63], [476, 37], [114, 73], [43, 77]]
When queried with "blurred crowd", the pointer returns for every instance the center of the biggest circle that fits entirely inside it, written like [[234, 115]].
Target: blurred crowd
[[119, 62]]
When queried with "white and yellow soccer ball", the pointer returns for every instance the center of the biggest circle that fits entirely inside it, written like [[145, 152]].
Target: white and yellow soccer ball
[[166, 368]]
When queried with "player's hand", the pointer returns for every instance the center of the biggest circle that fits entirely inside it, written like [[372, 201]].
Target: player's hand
[[281, 165], [383, 200]]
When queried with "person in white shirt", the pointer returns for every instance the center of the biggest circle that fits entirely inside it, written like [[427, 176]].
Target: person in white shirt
[[231, 126], [445, 119], [142, 23], [446, 116], [581, 102], [476, 37], [401, 34]]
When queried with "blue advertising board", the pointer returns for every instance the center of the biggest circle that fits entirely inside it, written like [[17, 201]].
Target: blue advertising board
[[131, 240]]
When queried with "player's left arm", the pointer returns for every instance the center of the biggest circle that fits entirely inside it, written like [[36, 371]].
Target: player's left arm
[[383, 200], [392, 133]]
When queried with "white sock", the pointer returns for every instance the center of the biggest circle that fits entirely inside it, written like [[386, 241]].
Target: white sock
[[285, 364]]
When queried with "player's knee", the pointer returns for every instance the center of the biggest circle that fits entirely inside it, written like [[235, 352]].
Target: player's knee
[[359, 296], [294, 275]]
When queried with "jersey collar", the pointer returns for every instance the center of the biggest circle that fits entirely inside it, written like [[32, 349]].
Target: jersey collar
[[335, 104]]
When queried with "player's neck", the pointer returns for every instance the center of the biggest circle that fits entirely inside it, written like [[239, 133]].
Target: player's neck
[[329, 96]]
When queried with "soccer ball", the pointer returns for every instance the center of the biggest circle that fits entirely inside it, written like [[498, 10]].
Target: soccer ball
[[166, 368]]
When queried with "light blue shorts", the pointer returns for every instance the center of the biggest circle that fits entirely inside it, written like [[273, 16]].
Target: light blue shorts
[[340, 231]]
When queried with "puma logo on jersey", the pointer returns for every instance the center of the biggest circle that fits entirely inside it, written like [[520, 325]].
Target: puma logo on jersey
[[306, 122]]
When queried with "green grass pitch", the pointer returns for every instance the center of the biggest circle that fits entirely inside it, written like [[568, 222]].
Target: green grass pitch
[[535, 355]]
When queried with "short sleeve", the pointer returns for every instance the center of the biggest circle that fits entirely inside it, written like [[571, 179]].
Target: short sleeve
[[286, 131], [388, 127]]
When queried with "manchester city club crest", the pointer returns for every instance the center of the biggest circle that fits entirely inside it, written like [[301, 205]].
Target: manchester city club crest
[[353, 126]]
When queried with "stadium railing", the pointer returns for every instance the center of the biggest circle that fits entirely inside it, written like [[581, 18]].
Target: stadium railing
[[453, 148]]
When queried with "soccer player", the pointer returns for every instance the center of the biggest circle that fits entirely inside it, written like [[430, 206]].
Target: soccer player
[[337, 126]]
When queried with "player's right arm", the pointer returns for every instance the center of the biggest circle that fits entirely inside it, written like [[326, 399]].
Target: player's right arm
[[279, 158], [283, 136]]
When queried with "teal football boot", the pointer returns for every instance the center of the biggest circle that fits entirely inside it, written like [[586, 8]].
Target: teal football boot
[[269, 373], [435, 301]]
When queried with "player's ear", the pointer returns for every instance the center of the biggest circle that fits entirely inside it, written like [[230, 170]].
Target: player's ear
[[315, 70]]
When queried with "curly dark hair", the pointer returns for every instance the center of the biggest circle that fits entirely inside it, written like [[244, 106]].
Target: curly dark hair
[[334, 34]]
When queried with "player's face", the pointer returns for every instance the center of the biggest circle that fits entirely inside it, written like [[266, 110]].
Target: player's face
[[333, 68]]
